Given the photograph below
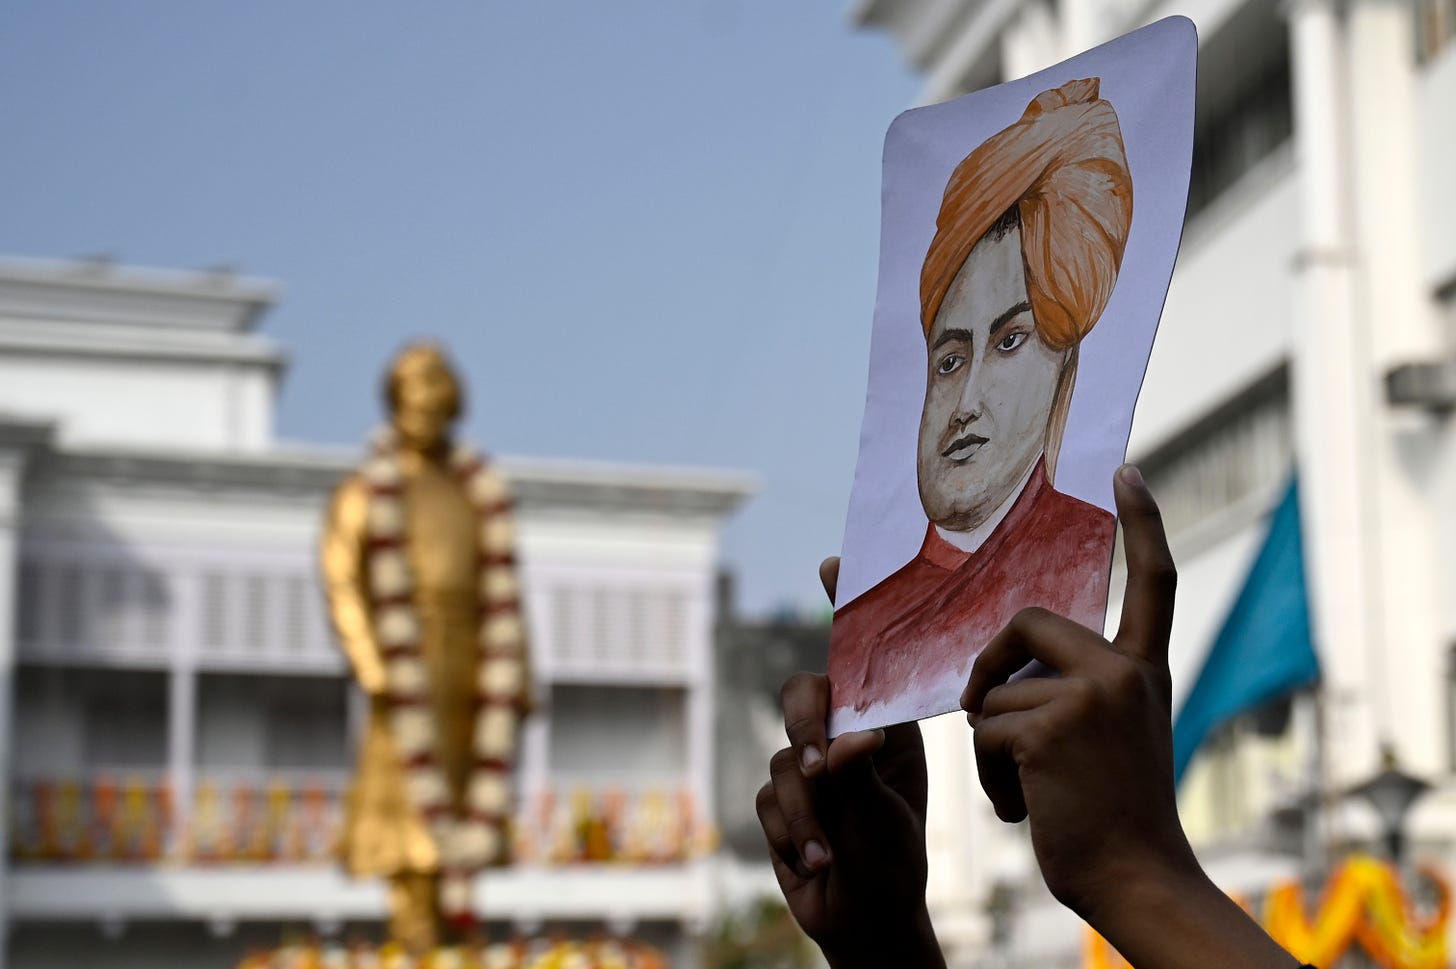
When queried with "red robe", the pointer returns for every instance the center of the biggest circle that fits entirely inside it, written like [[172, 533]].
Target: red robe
[[907, 645]]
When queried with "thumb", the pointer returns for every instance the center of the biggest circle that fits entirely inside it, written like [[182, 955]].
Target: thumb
[[859, 791], [829, 576]]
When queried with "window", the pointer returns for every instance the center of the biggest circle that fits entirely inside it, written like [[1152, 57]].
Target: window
[[71, 606], [258, 723], [214, 611], [618, 734], [29, 604], [124, 718], [594, 626], [1249, 126], [307, 725], [1241, 449]]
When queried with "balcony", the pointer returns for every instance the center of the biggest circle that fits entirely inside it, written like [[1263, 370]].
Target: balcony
[[293, 820], [262, 848]]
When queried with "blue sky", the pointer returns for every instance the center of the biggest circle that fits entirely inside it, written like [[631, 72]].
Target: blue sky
[[648, 231]]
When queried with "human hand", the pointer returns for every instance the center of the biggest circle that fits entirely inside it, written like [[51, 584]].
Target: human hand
[[845, 823], [1087, 756]]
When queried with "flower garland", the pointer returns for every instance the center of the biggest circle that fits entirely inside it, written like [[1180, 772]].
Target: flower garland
[[537, 954], [473, 837], [1363, 906]]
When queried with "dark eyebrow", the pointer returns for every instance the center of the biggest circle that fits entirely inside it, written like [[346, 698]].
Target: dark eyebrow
[[1008, 316], [951, 335], [965, 336]]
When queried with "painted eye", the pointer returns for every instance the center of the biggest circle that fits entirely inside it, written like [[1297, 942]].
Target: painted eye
[[950, 364], [1011, 341]]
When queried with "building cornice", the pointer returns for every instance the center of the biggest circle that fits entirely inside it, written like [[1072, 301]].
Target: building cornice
[[96, 291], [107, 343], [537, 483]]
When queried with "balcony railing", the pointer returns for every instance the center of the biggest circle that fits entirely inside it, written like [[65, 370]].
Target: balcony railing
[[591, 825], [296, 820], [133, 820]]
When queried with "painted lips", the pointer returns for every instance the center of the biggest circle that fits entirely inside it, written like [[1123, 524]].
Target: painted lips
[[963, 448]]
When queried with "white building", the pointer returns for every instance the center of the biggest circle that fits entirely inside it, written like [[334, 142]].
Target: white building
[[1318, 263], [179, 717]]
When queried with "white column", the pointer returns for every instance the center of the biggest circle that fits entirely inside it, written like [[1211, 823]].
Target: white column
[[1333, 396], [533, 772], [1031, 40], [701, 615], [1398, 324], [1085, 24], [12, 465], [962, 868], [182, 701]]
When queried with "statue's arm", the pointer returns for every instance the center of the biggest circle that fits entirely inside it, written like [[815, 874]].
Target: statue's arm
[[341, 557]]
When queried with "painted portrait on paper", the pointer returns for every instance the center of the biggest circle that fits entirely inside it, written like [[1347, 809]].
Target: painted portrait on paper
[[1030, 236]]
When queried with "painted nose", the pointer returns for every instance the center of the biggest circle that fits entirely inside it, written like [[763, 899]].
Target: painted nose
[[971, 403]]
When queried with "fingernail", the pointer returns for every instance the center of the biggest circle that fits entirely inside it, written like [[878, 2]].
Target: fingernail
[[814, 854], [810, 757], [1133, 476]]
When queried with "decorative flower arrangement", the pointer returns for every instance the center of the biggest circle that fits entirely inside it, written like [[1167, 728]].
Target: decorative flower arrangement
[[537, 954], [614, 826], [1362, 907], [292, 822]]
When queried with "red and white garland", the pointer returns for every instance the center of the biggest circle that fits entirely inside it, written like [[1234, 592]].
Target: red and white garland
[[473, 837]]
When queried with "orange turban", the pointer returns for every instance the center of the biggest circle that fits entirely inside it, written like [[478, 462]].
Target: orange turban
[[1063, 166]]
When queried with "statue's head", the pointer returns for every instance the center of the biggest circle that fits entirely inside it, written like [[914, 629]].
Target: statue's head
[[424, 396]]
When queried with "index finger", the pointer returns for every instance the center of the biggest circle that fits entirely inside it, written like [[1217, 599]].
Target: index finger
[[805, 700], [1032, 634], [1152, 579]]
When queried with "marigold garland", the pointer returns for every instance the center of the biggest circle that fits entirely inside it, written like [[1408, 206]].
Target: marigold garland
[[1362, 904], [474, 837], [514, 955]]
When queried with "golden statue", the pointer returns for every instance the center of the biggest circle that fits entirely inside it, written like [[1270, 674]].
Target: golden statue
[[418, 562]]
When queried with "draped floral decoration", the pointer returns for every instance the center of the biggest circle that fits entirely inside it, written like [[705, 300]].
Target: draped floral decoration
[[584, 825], [471, 835], [296, 821], [536, 954], [1363, 906]]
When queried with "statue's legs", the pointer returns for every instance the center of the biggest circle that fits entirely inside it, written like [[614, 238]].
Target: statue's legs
[[414, 910]]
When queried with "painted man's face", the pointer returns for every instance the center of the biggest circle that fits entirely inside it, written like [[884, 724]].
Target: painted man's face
[[426, 398], [989, 389]]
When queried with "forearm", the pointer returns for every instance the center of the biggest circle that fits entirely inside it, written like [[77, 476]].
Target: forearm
[[1183, 921], [916, 947]]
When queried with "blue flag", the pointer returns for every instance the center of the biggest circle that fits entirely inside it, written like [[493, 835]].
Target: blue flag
[[1264, 649]]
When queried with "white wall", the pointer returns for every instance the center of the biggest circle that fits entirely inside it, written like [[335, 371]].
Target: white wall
[[173, 404], [1227, 318], [162, 515]]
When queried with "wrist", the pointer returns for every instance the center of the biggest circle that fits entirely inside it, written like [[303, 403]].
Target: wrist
[[1128, 894], [913, 946], [1173, 915]]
